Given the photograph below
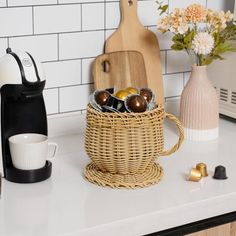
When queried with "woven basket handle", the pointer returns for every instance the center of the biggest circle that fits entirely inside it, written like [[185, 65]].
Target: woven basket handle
[[181, 135]]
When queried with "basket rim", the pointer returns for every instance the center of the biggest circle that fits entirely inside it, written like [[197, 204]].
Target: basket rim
[[159, 108]]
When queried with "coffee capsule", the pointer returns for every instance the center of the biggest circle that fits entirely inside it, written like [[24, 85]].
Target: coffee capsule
[[147, 94], [93, 103], [194, 175], [114, 105], [202, 167], [132, 90], [110, 90], [101, 97], [121, 94], [135, 103], [220, 173]]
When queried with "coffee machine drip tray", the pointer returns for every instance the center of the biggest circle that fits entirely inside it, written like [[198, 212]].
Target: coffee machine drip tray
[[29, 176]]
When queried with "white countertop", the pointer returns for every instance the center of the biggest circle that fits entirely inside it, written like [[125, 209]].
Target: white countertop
[[68, 205]]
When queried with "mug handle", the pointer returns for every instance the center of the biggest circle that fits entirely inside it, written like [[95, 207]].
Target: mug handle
[[52, 157], [181, 135]]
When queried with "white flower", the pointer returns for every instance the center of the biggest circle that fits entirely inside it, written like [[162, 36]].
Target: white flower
[[203, 43]]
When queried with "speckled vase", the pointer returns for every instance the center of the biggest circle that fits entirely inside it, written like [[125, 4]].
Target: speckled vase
[[199, 108]]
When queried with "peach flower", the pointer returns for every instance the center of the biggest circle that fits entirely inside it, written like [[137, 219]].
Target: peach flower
[[195, 13], [175, 22], [218, 20]]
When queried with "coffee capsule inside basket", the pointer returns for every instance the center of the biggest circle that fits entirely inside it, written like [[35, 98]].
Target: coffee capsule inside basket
[[114, 105], [122, 94], [149, 96], [110, 90], [101, 97], [93, 103], [136, 103], [132, 90]]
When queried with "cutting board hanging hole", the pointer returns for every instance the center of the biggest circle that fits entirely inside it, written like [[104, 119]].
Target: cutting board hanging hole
[[106, 66], [130, 2]]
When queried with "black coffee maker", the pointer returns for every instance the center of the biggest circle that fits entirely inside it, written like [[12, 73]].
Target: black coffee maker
[[22, 110]]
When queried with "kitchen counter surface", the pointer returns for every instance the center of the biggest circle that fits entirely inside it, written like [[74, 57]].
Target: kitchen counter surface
[[68, 205]]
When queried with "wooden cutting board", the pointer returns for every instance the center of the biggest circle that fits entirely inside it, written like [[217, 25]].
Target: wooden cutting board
[[122, 70], [132, 35]]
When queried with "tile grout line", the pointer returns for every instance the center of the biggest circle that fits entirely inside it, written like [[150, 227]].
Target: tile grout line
[[81, 71], [33, 20], [59, 105], [105, 21], [58, 47], [81, 17]]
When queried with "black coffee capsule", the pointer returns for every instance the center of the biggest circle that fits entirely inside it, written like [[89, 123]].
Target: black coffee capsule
[[220, 173]]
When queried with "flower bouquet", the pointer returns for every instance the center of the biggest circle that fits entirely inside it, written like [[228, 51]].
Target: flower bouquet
[[205, 35]]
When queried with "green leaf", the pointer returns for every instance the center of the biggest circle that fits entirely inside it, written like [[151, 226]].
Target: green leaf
[[178, 38], [177, 46], [229, 33], [163, 9], [188, 38]]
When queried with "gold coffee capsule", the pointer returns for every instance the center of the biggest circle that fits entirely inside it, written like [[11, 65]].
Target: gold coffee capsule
[[202, 168], [121, 94], [132, 90], [194, 175]]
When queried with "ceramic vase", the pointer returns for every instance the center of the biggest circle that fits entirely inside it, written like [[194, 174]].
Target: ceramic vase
[[199, 107]]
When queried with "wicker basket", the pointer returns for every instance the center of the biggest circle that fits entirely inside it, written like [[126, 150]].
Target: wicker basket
[[123, 147]]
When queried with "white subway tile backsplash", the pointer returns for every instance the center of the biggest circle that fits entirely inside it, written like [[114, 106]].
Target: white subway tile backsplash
[[186, 77], [3, 46], [87, 71], [3, 3], [30, 2], [97, 21], [112, 15], [83, 44], [174, 64], [173, 84], [74, 98], [147, 12], [165, 41], [108, 33], [80, 1], [16, 21], [221, 5], [66, 35], [172, 106], [51, 101], [63, 73], [43, 47], [53, 19]]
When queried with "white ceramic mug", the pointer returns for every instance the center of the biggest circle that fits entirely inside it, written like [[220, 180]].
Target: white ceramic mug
[[30, 150]]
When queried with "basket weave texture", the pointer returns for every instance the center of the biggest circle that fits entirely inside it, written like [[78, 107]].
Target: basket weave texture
[[126, 143]]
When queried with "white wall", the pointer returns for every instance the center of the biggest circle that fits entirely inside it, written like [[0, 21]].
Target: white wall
[[67, 34]]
